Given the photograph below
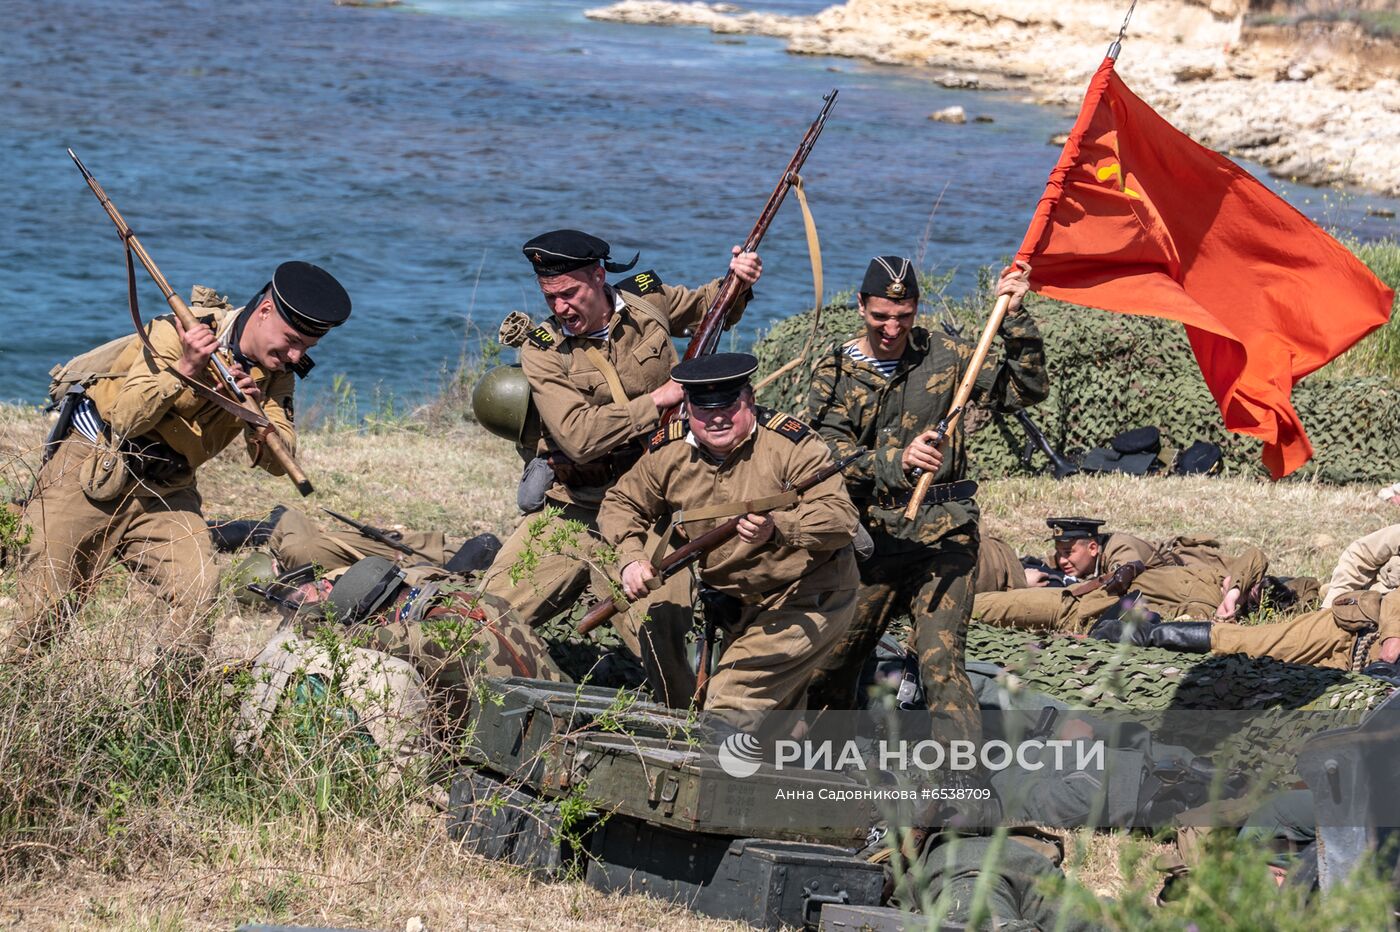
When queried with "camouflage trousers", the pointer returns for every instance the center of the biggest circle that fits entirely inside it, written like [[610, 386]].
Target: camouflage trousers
[[935, 585], [158, 534], [545, 567], [453, 651], [297, 541]]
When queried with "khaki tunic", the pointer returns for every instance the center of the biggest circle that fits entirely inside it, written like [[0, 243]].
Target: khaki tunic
[[546, 564], [150, 400], [1370, 562], [1325, 638], [797, 589], [157, 531]]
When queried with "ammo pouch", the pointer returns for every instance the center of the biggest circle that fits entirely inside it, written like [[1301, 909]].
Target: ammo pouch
[[602, 471], [1358, 612], [721, 610]]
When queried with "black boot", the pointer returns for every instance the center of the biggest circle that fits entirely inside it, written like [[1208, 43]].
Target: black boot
[[1190, 637], [232, 535], [476, 554]]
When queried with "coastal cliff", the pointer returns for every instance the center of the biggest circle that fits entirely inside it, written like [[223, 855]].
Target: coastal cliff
[[1316, 101]]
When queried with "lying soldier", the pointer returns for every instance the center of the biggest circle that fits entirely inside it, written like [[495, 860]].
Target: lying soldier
[[296, 540], [1359, 631], [1171, 591], [1083, 551], [450, 636]]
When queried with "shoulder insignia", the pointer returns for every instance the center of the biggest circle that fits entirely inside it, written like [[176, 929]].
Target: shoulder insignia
[[647, 282], [664, 435], [785, 424], [541, 338]]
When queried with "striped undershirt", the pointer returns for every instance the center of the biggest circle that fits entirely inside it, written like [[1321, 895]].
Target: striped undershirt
[[87, 421], [886, 367]]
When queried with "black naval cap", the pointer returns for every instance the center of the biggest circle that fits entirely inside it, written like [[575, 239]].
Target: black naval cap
[[309, 298], [1074, 528], [561, 251], [715, 381], [890, 277]]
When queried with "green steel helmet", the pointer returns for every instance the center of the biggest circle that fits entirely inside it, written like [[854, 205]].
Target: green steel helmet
[[363, 589], [501, 403], [256, 568]]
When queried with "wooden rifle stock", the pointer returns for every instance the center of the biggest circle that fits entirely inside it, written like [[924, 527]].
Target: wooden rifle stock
[[692, 550], [185, 316], [706, 336]]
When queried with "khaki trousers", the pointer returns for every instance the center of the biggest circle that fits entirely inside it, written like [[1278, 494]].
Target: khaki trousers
[[159, 535], [780, 644], [1313, 639], [297, 541], [549, 562], [1046, 609]]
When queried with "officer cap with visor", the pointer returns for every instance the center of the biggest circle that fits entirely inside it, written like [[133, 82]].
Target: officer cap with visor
[[1074, 528], [715, 381]]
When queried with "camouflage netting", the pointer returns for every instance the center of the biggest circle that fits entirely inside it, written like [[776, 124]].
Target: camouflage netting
[[1111, 372], [1095, 674]]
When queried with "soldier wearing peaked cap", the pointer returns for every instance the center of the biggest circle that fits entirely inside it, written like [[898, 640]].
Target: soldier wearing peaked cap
[[790, 573], [599, 373], [119, 478], [887, 389]]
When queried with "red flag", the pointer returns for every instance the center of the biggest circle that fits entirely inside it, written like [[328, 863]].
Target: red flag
[[1140, 219]]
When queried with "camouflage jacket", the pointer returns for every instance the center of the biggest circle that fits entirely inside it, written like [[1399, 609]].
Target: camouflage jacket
[[853, 405]]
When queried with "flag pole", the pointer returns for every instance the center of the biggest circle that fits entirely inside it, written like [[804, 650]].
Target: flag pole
[[984, 344]]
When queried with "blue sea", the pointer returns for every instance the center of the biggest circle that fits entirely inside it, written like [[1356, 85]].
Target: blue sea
[[412, 150]]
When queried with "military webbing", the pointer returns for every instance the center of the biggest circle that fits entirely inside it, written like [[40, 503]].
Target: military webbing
[[199, 388], [596, 357]]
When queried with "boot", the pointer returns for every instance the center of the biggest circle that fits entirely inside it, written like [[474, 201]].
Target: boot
[[475, 555], [232, 535], [1191, 637]]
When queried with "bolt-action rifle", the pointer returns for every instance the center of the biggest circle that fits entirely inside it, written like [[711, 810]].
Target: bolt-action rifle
[[1060, 467], [705, 338], [235, 402], [381, 536], [693, 550]]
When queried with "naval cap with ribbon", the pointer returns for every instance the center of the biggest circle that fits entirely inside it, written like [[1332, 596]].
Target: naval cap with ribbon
[[559, 252], [308, 298]]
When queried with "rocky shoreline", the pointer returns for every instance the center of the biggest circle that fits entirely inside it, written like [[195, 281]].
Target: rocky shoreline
[[1314, 103]]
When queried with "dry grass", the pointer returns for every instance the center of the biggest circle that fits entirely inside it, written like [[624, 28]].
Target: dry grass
[[176, 862]]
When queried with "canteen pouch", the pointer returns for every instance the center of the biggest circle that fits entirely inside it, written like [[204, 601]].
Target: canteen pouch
[[104, 474], [1358, 612]]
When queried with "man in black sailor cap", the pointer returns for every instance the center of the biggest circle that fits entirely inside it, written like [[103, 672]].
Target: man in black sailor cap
[[599, 369], [118, 480]]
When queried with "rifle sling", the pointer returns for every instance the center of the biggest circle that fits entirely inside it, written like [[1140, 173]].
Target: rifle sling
[[199, 388], [734, 509]]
